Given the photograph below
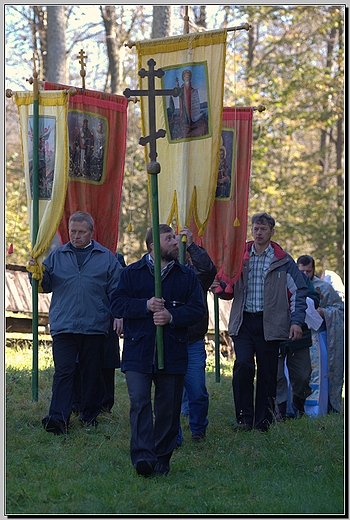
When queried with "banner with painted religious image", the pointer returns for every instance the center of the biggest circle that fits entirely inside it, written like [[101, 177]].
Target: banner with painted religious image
[[53, 160], [225, 235], [97, 123], [189, 153]]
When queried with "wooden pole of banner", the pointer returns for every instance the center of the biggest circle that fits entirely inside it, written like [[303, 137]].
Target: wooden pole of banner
[[35, 227], [183, 241], [217, 338], [35, 223], [245, 26], [153, 169]]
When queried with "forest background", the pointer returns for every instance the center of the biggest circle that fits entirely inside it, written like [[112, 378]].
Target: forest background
[[291, 61]]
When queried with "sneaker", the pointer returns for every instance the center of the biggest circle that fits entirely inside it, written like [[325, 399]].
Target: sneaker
[[198, 437]]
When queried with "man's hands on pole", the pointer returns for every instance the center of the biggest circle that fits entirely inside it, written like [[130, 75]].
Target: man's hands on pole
[[161, 315]]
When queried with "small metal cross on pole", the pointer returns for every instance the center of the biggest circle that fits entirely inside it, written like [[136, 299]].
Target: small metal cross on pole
[[153, 168], [81, 59]]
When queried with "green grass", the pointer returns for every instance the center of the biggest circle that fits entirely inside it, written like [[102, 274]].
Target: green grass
[[296, 468]]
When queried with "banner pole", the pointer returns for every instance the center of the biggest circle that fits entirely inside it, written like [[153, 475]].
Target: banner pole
[[217, 338], [153, 169], [35, 227], [157, 264]]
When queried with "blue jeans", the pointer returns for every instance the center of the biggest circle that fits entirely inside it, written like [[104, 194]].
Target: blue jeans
[[195, 388]]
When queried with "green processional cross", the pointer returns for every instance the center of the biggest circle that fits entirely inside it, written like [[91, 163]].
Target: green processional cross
[[153, 168]]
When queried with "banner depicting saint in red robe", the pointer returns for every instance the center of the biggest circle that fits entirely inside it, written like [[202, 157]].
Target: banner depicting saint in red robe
[[97, 123], [225, 235], [189, 153]]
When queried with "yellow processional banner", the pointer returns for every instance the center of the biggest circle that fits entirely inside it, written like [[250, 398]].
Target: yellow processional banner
[[189, 153], [53, 161]]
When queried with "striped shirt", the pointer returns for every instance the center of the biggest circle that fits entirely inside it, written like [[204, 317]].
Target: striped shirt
[[165, 269], [258, 267]]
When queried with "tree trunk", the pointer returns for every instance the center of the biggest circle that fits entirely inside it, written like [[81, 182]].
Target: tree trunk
[[56, 70], [200, 16], [39, 33], [113, 48], [340, 170], [161, 25], [325, 137]]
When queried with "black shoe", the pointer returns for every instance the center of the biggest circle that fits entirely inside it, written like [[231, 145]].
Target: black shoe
[[298, 406], [262, 429], [75, 409], [88, 424], [263, 426], [144, 468], [281, 412], [161, 469], [242, 427], [198, 437], [53, 426], [105, 410]]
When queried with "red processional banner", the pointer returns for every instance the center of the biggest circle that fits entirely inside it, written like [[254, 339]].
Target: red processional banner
[[225, 235], [97, 123]]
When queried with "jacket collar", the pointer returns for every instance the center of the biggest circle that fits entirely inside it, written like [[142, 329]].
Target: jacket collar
[[95, 246], [143, 261], [278, 251]]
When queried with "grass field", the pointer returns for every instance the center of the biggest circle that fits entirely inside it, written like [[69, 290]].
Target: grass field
[[296, 468]]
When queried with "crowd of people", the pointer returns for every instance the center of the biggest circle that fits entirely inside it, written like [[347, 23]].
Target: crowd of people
[[276, 302]]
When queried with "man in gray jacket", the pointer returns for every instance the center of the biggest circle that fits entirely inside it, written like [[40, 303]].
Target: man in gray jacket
[[81, 275], [268, 307]]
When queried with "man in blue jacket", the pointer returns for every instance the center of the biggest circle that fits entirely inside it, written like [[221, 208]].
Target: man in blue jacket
[[269, 307], [181, 305], [81, 276]]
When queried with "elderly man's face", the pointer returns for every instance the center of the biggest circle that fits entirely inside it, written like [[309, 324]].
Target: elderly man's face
[[79, 234]]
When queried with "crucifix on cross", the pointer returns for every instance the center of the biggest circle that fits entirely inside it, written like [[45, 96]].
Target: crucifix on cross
[[151, 93], [81, 57], [153, 168]]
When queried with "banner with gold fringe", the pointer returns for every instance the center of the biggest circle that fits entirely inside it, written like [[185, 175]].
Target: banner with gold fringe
[[53, 161], [225, 235], [189, 154], [97, 123]]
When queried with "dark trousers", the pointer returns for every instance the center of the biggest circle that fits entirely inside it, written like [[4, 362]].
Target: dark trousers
[[108, 387], [154, 441], [249, 346], [299, 372], [65, 349]]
